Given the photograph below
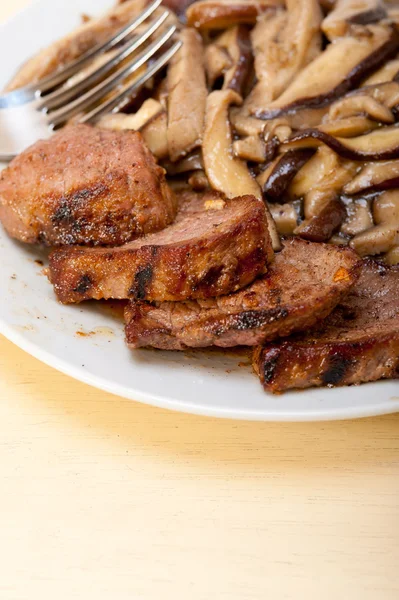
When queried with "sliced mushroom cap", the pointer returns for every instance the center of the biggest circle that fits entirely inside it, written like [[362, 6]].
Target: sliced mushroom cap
[[282, 173], [386, 207], [340, 68], [220, 14], [187, 96], [392, 256], [349, 12], [349, 127], [155, 135], [75, 44], [244, 125], [380, 144], [119, 121], [198, 181], [191, 162], [286, 218], [238, 45], [311, 175], [386, 73], [226, 173], [251, 148], [217, 61], [376, 240], [320, 227], [230, 56], [350, 106], [359, 217], [284, 43], [329, 187], [374, 176], [179, 7]]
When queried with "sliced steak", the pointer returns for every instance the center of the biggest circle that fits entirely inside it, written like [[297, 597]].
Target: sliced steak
[[358, 342], [303, 285], [85, 186], [214, 247]]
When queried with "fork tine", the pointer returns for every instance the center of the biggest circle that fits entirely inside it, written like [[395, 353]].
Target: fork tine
[[118, 102], [61, 96], [73, 108], [60, 77]]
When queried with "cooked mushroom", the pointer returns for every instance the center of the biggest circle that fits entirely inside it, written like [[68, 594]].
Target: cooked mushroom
[[282, 173], [376, 240], [327, 188], [386, 207], [198, 181], [72, 46], [350, 127], [119, 121], [251, 148], [284, 42], [150, 120], [374, 176], [230, 56], [386, 73], [219, 14], [353, 58], [187, 96], [350, 106], [226, 173], [238, 45], [392, 256], [179, 7], [320, 227], [191, 162], [349, 12], [286, 218], [244, 125], [359, 217], [279, 128], [155, 135], [217, 60], [320, 172], [385, 95], [380, 144]]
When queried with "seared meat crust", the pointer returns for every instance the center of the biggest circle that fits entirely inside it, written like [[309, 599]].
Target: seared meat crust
[[214, 247], [85, 186], [358, 342], [303, 285]]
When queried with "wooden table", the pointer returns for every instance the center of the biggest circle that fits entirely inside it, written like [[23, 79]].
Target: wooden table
[[102, 498]]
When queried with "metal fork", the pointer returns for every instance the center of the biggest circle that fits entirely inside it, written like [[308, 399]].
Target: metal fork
[[29, 114]]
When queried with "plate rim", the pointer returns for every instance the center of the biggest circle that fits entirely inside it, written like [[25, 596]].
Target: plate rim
[[388, 406], [79, 374]]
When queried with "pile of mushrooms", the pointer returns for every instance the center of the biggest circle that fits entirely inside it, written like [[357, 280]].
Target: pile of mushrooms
[[295, 102]]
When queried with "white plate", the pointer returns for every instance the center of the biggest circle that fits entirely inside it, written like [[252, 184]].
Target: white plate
[[210, 383]]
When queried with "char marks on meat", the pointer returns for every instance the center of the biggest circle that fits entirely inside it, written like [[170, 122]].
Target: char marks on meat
[[358, 342], [85, 186], [303, 285], [214, 247]]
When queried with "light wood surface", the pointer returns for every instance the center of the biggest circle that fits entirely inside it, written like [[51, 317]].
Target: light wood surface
[[102, 498]]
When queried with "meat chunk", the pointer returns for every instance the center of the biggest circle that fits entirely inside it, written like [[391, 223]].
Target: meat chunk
[[303, 285], [358, 342], [85, 186], [214, 247]]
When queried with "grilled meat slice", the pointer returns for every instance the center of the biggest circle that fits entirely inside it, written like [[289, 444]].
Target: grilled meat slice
[[214, 247], [358, 342], [303, 285], [85, 186]]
